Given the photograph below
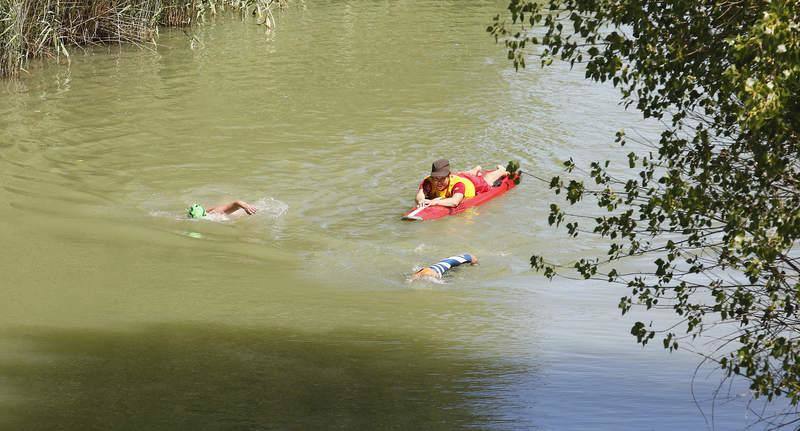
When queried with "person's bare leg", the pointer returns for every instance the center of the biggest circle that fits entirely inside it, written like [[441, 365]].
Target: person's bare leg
[[475, 171], [425, 272], [491, 177]]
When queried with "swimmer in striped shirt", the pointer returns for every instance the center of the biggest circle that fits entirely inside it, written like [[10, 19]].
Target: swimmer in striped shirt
[[438, 269]]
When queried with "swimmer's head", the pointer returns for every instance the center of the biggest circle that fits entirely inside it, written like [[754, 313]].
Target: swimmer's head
[[196, 211]]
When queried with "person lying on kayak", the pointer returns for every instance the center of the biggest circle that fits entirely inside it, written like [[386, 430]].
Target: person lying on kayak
[[438, 269], [197, 211], [448, 190]]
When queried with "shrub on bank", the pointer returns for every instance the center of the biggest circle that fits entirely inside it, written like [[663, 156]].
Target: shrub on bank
[[48, 28]]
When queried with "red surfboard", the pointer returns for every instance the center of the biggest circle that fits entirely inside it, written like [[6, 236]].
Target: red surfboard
[[435, 211]]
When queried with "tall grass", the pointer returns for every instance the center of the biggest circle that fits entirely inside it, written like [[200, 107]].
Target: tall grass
[[48, 28]]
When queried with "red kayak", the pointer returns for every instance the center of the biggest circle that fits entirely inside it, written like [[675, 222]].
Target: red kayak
[[436, 211]]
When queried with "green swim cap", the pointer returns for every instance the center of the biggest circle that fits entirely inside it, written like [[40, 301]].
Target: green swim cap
[[196, 211]]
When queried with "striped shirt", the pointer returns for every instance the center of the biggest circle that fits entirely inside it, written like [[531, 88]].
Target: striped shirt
[[445, 264]]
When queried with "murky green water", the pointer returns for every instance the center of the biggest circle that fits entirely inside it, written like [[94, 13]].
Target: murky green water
[[118, 313]]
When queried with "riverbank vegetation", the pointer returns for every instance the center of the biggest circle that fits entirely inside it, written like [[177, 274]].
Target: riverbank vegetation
[[715, 201], [50, 28]]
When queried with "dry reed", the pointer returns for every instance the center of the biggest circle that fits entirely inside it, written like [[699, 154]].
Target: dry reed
[[47, 28]]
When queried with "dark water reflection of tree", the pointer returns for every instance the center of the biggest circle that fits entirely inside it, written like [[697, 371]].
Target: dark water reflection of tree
[[199, 376]]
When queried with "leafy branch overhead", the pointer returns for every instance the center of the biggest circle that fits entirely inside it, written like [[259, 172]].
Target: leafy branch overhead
[[716, 203]]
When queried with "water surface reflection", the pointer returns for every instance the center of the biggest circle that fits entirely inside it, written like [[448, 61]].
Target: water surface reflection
[[203, 376]]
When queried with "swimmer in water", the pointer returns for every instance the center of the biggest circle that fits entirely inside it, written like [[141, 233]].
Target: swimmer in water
[[197, 211], [438, 269]]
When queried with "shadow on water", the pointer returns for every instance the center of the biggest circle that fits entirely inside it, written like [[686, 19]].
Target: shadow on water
[[196, 376]]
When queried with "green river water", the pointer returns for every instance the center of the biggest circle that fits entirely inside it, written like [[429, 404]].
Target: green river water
[[119, 313]]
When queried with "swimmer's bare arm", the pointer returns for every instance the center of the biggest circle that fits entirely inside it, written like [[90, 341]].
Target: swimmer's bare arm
[[232, 208], [448, 202]]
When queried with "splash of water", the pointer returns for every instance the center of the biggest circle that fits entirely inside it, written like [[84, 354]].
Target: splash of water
[[270, 207], [267, 207]]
